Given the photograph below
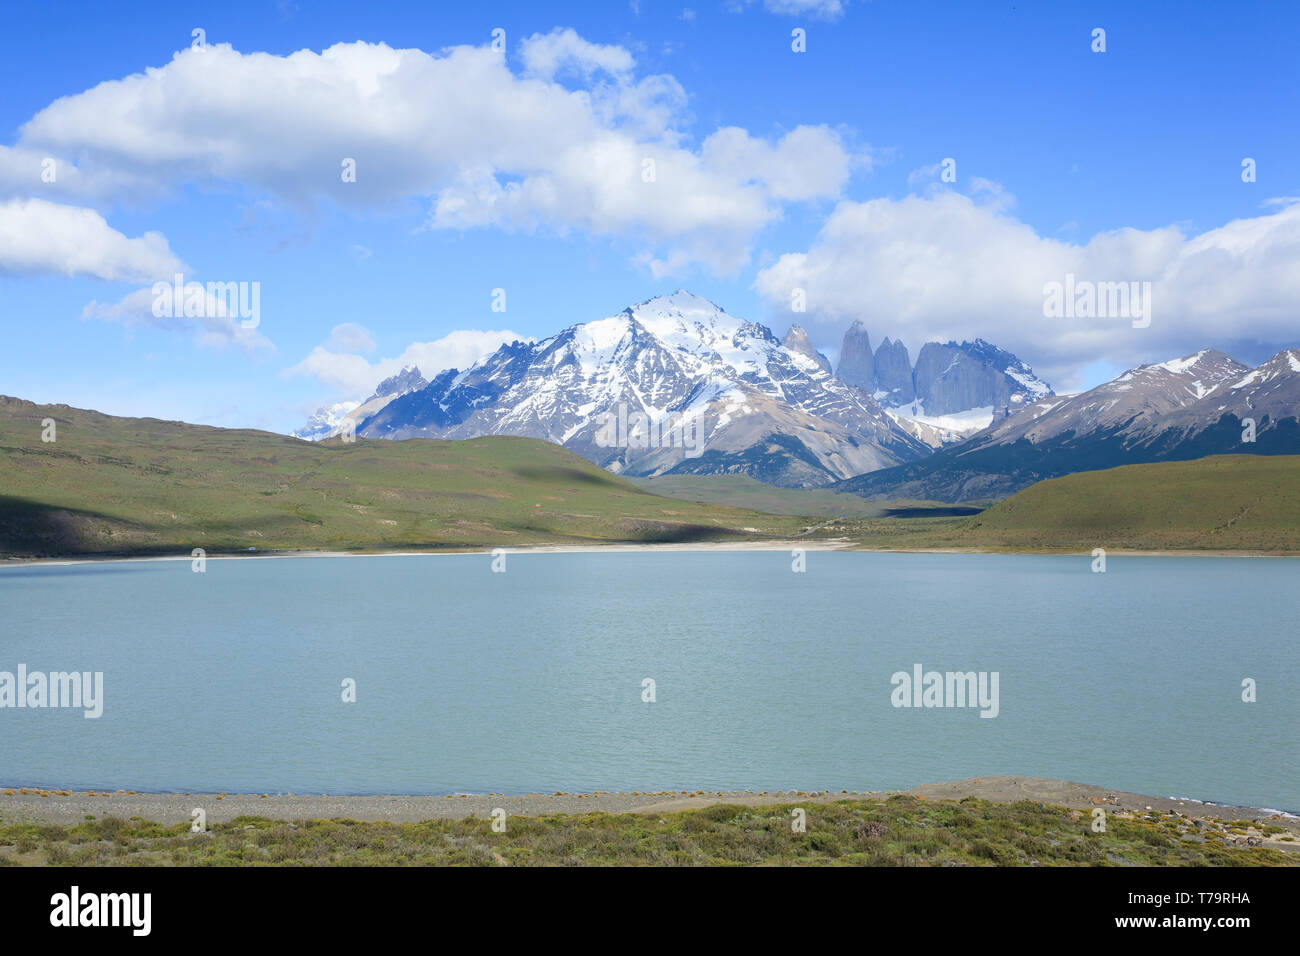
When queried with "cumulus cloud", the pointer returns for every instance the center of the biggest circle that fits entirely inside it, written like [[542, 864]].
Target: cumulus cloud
[[214, 322], [546, 54], [809, 162], [484, 145], [948, 266], [355, 376], [28, 171], [38, 237]]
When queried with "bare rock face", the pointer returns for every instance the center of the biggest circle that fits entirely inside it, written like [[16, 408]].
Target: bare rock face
[[796, 340], [954, 378], [894, 374], [408, 379], [857, 366]]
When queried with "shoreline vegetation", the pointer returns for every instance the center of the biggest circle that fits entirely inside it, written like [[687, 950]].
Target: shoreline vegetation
[[1004, 821], [626, 548], [123, 487]]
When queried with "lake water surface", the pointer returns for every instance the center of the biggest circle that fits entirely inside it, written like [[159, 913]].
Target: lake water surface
[[532, 680]]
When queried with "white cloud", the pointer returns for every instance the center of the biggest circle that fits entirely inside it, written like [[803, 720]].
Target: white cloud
[[40, 237], [546, 54], [355, 376], [215, 327], [487, 147], [817, 9], [995, 194], [350, 337], [821, 9], [809, 162], [946, 266], [27, 171], [924, 173]]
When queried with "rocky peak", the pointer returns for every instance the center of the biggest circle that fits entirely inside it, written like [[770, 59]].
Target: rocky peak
[[408, 379], [894, 373], [857, 366], [952, 377], [796, 340]]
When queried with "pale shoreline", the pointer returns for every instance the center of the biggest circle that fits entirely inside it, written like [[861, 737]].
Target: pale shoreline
[[833, 544], [67, 808]]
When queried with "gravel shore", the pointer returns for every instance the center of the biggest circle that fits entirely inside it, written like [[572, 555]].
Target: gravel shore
[[64, 807]]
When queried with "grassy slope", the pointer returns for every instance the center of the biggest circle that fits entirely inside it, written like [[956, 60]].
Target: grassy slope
[[1247, 503], [744, 492], [1227, 502], [741, 491], [119, 485], [903, 830]]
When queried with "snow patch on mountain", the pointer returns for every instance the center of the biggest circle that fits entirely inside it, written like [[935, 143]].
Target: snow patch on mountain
[[326, 421], [955, 389], [1180, 365], [770, 410], [333, 420]]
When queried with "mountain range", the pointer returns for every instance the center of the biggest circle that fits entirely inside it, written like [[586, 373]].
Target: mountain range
[[954, 390], [677, 386], [1191, 407], [764, 408], [343, 416]]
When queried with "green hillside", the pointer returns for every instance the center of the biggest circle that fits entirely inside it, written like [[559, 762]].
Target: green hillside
[[1223, 503], [142, 486], [745, 492], [1227, 502], [111, 485], [741, 491]]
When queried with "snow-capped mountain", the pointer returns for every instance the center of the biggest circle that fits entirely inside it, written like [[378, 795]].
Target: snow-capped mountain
[[326, 421], [655, 371], [332, 420], [1267, 396], [954, 391], [1134, 401], [1184, 408], [797, 341]]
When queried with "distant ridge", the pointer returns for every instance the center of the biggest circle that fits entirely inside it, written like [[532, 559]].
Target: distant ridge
[[1181, 409]]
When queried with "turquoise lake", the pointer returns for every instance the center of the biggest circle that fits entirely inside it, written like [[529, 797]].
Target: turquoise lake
[[532, 680]]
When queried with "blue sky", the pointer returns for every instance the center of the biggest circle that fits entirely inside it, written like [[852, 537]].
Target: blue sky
[[1055, 145]]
